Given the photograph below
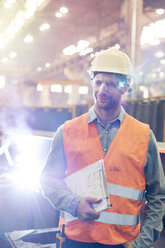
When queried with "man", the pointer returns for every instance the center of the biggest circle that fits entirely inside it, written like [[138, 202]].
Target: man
[[132, 164]]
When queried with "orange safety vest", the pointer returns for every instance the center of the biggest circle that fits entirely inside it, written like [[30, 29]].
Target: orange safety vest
[[124, 167]]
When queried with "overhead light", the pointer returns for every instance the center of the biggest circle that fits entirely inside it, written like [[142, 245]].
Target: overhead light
[[47, 65], [155, 31], [82, 44], [18, 21], [83, 90], [40, 87], [70, 50], [7, 5], [11, 1], [44, 27], [58, 14], [4, 60], [28, 39], [28, 14], [159, 54], [31, 5], [39, 68], [144, 90], [64, 10], [155, 42], [117, 46], [92, 55], [162, 61], [86, 51], [161, 74], [56, 88], [68, 89], [160, 11], [12, 55]]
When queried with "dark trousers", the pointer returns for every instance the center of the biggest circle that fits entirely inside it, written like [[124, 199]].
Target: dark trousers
[[76, 244]]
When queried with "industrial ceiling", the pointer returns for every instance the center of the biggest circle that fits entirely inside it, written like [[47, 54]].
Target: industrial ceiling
[[98, 21]]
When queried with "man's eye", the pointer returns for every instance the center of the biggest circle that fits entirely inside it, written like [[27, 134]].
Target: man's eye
[[111, 84], [97, 83]]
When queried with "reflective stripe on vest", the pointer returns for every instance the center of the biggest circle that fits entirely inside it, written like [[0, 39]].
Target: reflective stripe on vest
[[119, 219], [125, 192]]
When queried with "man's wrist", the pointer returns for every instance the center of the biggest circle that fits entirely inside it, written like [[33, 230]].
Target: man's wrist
[[72, 206]]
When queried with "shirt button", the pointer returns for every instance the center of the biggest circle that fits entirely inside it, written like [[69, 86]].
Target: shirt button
[[105, 149], [106, 131]]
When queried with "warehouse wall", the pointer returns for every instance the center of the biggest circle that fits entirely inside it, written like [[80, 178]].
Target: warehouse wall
[[151, 111]]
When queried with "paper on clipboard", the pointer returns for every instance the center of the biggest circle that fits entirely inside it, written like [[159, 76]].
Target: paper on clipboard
[[89, 181]]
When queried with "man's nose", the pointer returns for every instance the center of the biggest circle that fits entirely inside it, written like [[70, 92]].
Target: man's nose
[[103, 87]]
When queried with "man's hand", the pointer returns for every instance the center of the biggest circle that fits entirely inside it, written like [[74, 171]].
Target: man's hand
[[128, 245], [85, 211]]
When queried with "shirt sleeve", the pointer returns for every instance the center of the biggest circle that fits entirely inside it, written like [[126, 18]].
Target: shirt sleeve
[[155, 196], [52, 177]]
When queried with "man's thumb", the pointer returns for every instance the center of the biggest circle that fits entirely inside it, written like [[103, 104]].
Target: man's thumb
[[93, 200]]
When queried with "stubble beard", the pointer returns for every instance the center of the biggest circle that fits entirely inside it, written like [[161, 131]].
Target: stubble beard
[[111, 105]]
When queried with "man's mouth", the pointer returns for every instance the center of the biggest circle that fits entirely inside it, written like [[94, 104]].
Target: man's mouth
[[102, 98]]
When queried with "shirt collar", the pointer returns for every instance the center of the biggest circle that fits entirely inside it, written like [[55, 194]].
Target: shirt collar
[[92, 116]]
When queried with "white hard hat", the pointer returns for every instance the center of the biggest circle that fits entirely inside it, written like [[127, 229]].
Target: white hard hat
[[112, 60]]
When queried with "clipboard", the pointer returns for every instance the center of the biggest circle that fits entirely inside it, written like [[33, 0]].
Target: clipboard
[[89, 182]]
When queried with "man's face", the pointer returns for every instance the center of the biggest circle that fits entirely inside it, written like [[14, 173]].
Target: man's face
[[106, 91]]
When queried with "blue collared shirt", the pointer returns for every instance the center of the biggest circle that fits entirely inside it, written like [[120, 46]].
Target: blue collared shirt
[[62, 199]]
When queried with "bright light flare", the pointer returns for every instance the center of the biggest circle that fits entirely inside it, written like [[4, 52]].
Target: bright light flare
[[27, 162], [27, 176]]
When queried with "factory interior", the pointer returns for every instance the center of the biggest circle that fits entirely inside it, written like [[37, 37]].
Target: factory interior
[[46, 48]]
